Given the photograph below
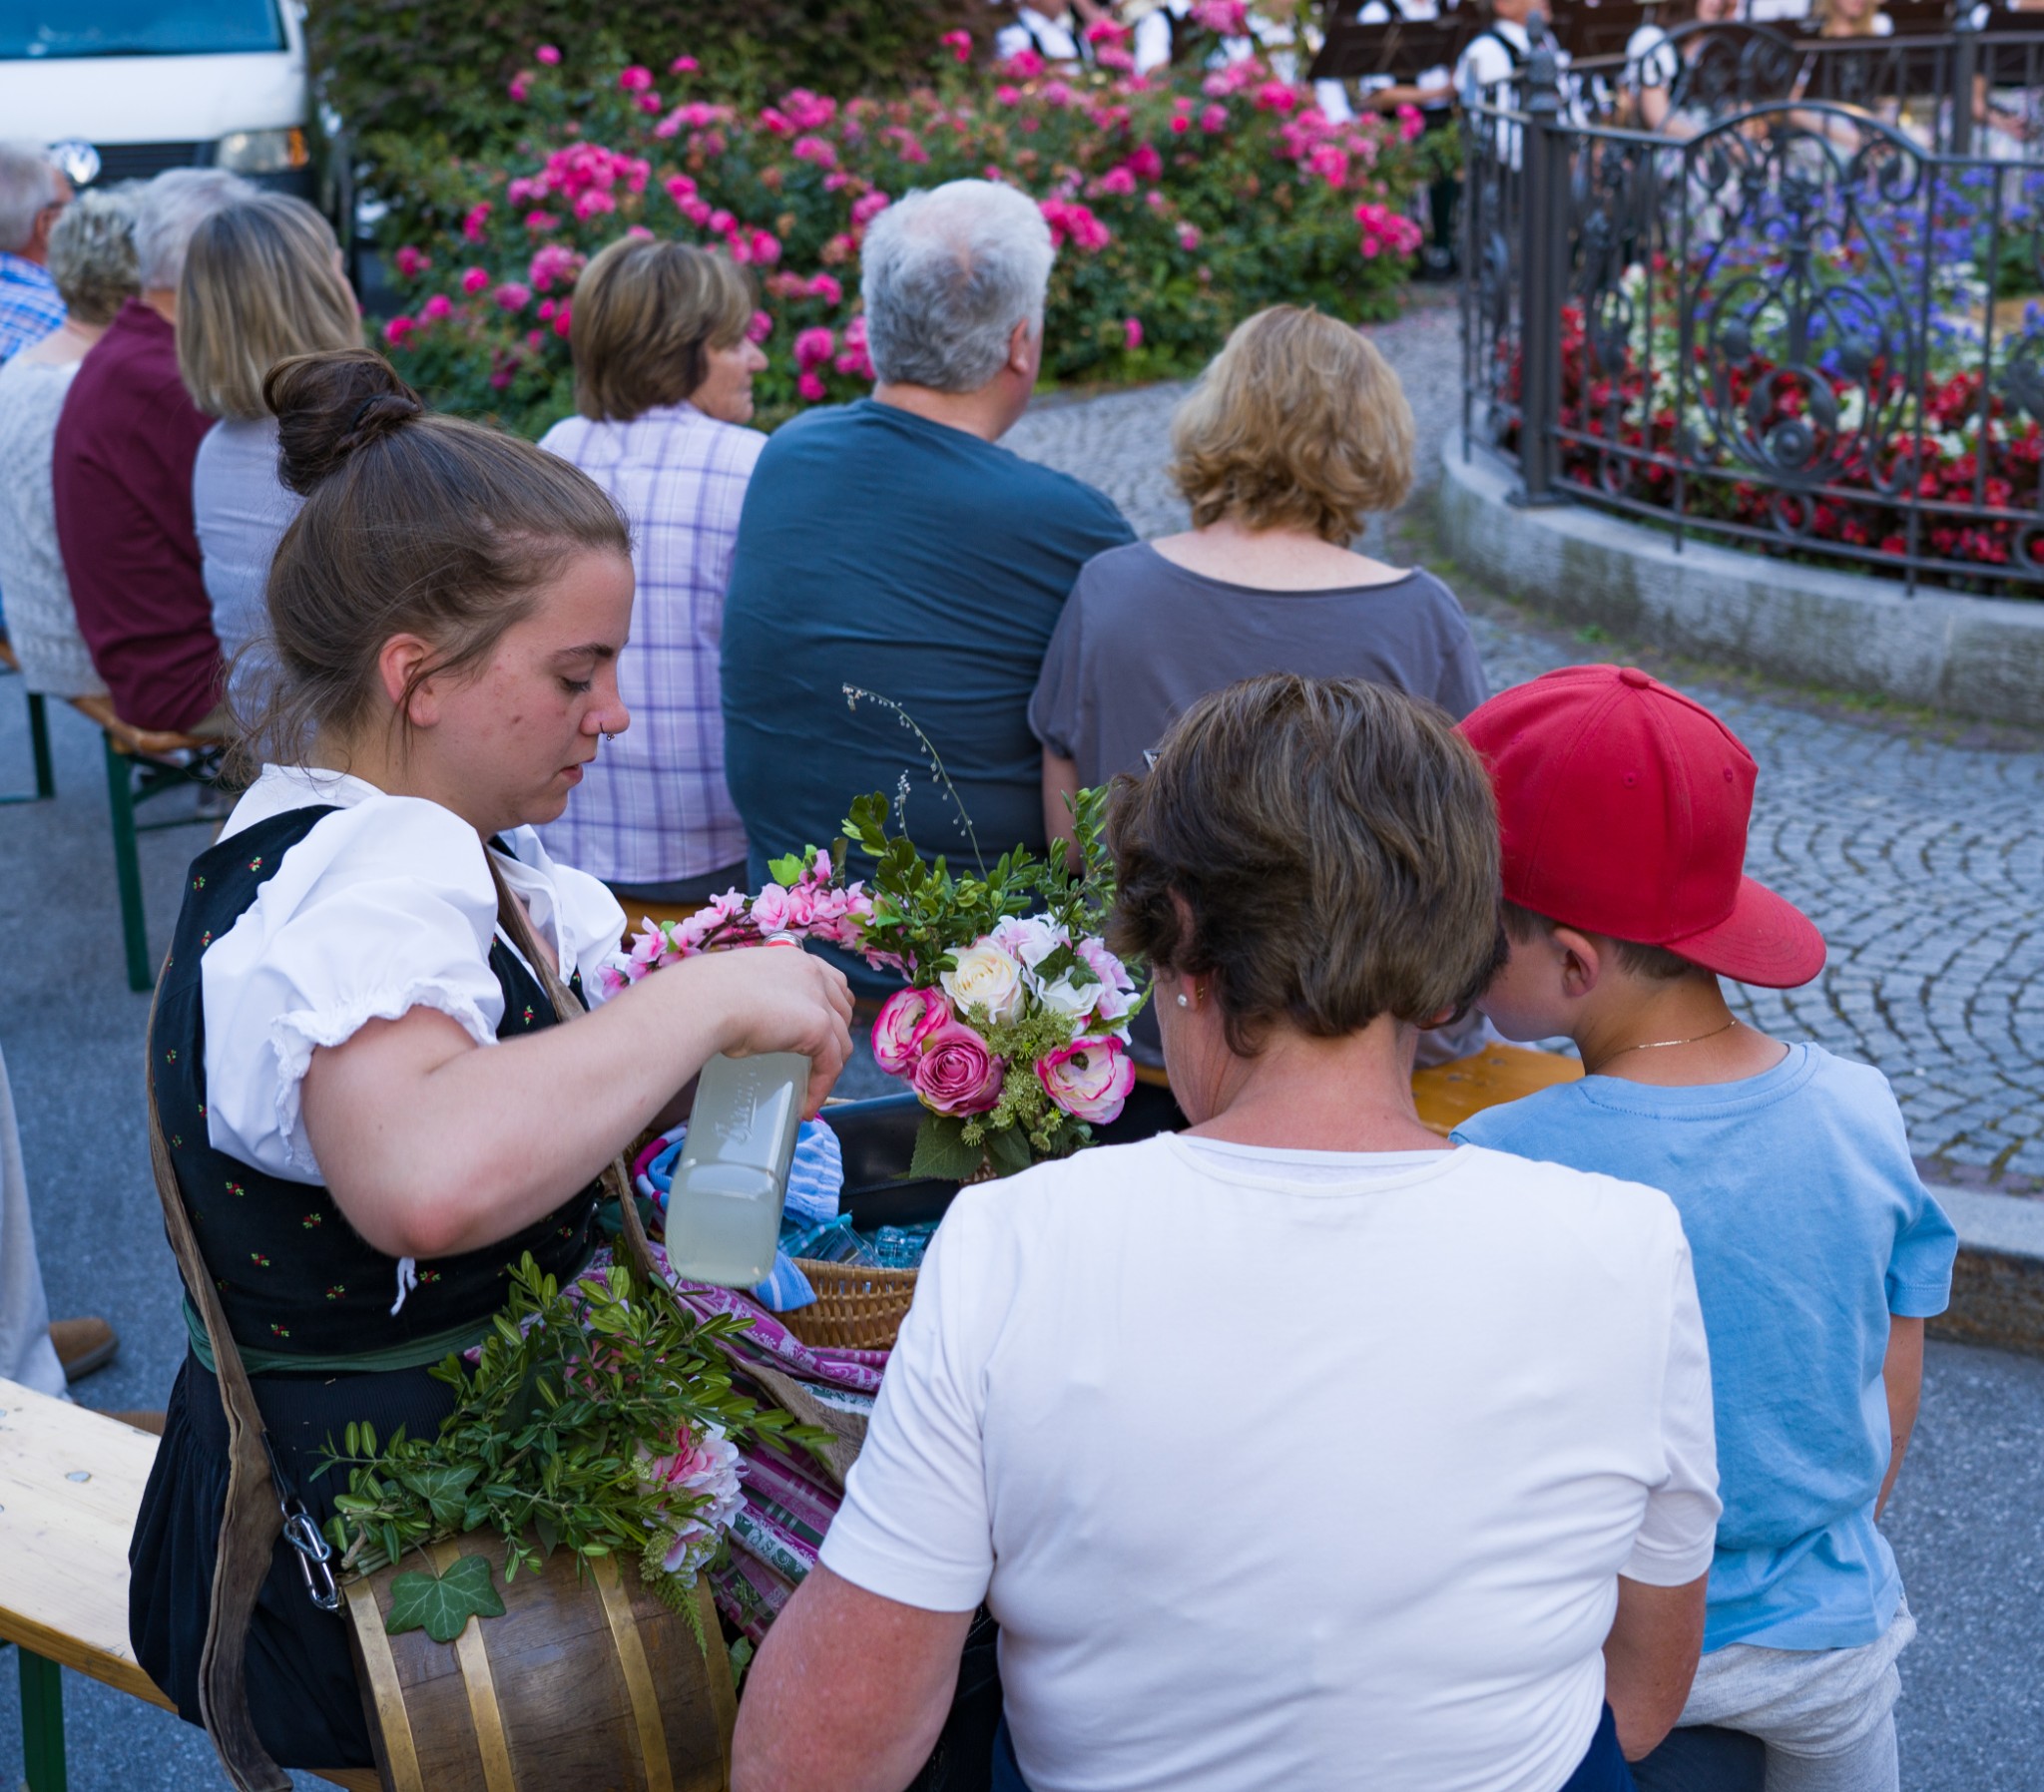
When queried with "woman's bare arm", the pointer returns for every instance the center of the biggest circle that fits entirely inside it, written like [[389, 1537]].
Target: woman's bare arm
[[434, 1145], [1650, 1657], [1060, 785]]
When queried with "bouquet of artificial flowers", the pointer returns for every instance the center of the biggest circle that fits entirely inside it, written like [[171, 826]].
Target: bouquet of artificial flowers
[[1013, 1029]]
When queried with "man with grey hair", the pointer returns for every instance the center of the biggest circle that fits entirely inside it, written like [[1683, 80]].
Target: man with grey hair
[[121, 479], [892, 546], [33, 194]]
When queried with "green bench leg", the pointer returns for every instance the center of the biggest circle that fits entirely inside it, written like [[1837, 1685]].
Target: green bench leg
[[38, 744], [126, 866], [42, 1723]]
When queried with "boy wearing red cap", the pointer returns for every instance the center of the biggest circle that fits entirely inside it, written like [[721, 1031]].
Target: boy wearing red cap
[[1819, 1254]]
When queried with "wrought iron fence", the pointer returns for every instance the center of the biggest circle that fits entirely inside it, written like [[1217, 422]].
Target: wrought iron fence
[[1805, 314]]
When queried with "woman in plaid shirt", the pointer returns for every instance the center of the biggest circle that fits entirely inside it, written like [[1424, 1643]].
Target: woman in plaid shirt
[[664, 387]]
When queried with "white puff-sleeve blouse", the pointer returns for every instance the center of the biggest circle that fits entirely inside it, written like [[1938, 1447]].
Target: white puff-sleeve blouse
[[384, 906]]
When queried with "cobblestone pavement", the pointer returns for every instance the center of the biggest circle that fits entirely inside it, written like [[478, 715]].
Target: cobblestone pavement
[[1919, 850]]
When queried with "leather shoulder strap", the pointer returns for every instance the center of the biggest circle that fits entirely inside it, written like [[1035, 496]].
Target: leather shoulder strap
[[617, 1181], [252, 1521]]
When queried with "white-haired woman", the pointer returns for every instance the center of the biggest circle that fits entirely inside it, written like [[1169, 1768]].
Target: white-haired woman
[[91, 259]]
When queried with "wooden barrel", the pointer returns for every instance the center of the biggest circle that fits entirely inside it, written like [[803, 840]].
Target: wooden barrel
[[586, 1684]]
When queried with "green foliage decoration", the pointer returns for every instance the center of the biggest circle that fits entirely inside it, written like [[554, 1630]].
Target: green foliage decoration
[[554, 1442]]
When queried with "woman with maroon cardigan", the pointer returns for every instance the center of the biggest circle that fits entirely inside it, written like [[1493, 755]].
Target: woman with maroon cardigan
[[121, 479]]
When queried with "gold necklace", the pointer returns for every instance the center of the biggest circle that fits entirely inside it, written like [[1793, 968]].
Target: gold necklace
[[1655, 1044]]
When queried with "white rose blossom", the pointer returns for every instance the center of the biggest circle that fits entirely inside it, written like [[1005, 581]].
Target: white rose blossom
[[988, 979]]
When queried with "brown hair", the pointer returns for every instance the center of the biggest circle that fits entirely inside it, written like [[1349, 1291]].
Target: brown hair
[[1655, 963], [413, 522], [644, 317], [1324, 850], [259, 283], [1297, 423]]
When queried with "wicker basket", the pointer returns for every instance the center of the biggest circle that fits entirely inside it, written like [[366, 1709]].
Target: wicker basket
[[858, 1307]]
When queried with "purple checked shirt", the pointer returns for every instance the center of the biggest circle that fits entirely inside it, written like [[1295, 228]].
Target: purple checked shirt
[[653, 806]]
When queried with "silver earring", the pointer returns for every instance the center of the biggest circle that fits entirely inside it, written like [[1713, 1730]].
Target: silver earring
[[1184, 1002], [610, 740]]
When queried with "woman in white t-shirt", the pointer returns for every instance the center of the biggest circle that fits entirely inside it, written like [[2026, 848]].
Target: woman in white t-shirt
[[1292, 1450]]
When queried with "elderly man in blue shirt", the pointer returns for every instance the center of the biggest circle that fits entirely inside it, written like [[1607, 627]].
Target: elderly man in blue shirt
[[33, 194], [892, 546]]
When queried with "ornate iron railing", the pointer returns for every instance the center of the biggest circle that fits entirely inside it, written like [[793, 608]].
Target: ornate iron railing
[[1805, 315]]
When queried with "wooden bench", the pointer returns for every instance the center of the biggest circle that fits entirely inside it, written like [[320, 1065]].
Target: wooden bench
[[70, 1483], [1449, 1093]]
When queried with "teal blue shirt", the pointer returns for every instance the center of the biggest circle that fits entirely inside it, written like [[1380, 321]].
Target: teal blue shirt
[[920, 563], [1808, 1228]]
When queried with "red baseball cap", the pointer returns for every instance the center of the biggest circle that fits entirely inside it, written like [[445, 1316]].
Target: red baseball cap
[[1624, 808]]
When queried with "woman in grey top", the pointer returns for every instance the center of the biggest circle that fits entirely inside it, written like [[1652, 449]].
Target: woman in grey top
[[91, 259], [262, 282], [1296, 432]]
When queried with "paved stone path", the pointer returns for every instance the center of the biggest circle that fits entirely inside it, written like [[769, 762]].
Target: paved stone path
[[1919, 851]]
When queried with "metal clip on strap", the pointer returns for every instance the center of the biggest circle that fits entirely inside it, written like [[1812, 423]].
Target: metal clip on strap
[[314, 1552]]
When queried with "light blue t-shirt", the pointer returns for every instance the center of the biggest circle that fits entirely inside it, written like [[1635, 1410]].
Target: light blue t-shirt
[[1808, 1228]]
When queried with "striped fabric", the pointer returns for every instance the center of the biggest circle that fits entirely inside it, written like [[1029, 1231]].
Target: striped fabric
[[652, 808]]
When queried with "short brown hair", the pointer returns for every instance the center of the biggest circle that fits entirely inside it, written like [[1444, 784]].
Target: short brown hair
[[1297, 423], [1655, 963], [259, 284], [1335, 846], [644, 317], [412, 524]]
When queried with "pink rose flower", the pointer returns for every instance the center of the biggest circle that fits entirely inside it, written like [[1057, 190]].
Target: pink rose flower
[[474, 280], [956, 1074], [960, 44], [1089, 1079], [682, 65], [770, 910], [546, 54], [634, 80], [811, 387], [905, 1020], [1132, 333], [514, 295], [437, 306]]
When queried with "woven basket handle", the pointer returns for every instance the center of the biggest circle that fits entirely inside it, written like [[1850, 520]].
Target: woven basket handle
[[617, 1181]]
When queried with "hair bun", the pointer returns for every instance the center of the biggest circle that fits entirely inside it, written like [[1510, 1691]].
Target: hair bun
[[332, 405]]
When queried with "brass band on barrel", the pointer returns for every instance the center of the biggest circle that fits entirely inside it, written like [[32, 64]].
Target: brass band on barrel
[[617, 1607], [399, 1753], [483, 1710]]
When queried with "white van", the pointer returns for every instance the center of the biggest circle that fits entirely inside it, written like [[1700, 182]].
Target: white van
[[123, 89]]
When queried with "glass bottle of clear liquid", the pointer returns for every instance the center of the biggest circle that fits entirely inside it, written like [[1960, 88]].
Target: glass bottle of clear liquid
[[724, 1205]]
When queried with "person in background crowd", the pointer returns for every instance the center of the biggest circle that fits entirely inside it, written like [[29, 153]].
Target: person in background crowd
[[91, 259], [1507, 1586], [262, 281], [663, 385], [122, 475], [893, 547], [1654, 62], [1623, 808], [33, 194], [1295, 433]]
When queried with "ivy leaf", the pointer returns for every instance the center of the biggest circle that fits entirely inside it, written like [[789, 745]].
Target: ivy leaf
[[941, 1152], [442, 1605], [445, 1490]]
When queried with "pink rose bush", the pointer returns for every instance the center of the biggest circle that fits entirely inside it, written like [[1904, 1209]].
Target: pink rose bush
[[1179, 201]]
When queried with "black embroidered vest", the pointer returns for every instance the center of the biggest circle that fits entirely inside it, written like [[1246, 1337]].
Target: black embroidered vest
[[292, 1275]]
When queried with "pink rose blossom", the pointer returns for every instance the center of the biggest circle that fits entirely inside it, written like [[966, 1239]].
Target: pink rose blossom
[[1187, 237], [905, 1020], [956, 1074], [813, 149], [437, 306], [561, 320], [1089, 1079], [472, 224], [546, 54], [399, 327], [868, 207], [513, 295], [959, 43], [760, 327], [682, 65], [813, 347], [474, 280], [650, 102], [811, 387], [634, 80], [519, 88], [1024, 65], [411, 263], [827, 288], [1214, 120], [1132, 333]]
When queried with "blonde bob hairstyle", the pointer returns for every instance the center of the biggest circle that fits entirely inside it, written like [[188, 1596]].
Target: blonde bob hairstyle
[[645, 315], [1297, 423], [262, 282]]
